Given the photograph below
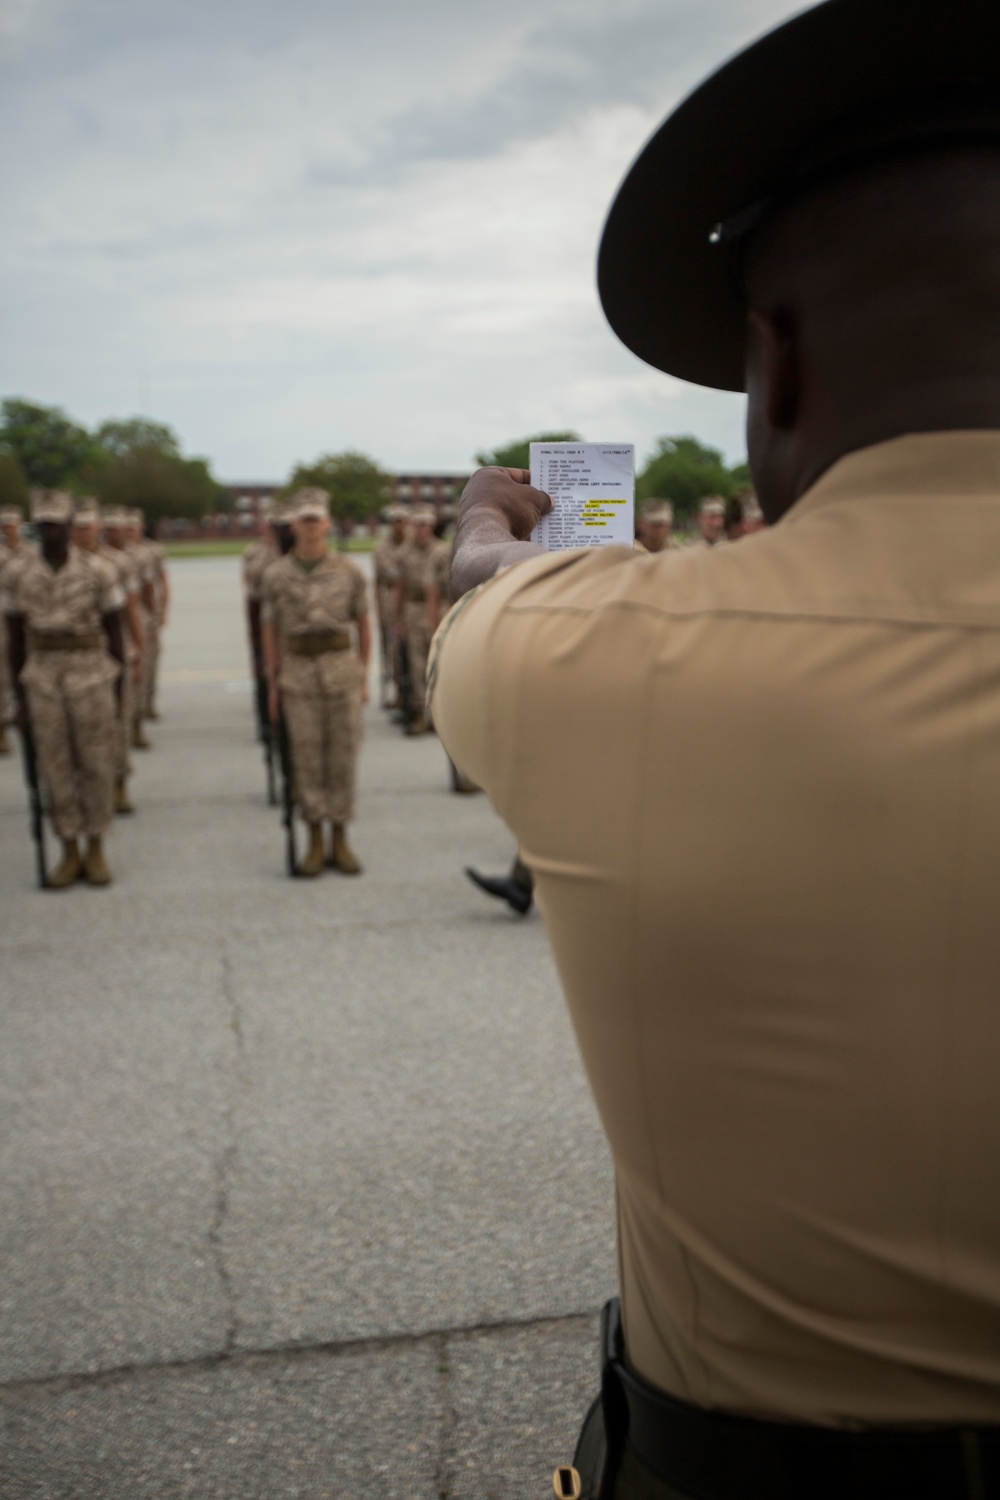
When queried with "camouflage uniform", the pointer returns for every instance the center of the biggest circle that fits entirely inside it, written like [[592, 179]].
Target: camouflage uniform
[[256, 560], [442, 573], [127, 574], [7, 556], [69, 680], [125, 558], [313, 609], [385, 560], [157, 556], [417, 569], [145, 562]]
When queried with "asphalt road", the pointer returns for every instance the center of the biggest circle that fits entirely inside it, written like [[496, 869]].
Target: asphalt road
[[302, 1192]]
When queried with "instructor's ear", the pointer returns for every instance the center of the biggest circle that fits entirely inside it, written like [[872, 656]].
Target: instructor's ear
[[773, 366]]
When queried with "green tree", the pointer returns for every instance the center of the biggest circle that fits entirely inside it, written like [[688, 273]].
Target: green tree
[[121, 436], [163, 484], [49, 446], [13, 485], [357, 487], [684, 470], [517, 455]]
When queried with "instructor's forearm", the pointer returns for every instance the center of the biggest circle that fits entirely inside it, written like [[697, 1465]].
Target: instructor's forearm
[[483, 545]]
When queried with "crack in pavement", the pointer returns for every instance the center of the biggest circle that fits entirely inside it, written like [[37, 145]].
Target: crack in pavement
[[227, 1157], [437, 1338], [449, 1419]]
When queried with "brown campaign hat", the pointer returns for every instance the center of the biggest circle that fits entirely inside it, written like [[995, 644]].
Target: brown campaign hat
[[846, 82]]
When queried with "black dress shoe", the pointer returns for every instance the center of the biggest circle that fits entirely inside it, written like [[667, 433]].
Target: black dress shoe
[[516, 896]]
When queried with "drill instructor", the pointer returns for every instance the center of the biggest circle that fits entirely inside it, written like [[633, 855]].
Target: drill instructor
[[803, 1109]]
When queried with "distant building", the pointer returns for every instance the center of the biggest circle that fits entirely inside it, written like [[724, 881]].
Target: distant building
[[427, 489], [251, 501]]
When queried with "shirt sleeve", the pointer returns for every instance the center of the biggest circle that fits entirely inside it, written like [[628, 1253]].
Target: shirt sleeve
[[359, 597], [9, 604], [458, 673]]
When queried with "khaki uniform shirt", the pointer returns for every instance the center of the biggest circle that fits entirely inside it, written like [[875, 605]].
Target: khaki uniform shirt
[[331, 596], [256, 560], [759, 788], [72, 601]]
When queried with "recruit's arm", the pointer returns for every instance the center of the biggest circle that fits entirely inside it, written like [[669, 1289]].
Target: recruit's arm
[[499, 511]]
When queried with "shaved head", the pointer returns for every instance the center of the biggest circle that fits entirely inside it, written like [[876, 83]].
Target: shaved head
[[874, 311]]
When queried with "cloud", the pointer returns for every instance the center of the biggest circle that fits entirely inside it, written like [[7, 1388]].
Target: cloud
[[288, 229]]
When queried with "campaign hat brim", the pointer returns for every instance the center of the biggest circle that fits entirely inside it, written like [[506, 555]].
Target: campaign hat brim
[[671, 295]]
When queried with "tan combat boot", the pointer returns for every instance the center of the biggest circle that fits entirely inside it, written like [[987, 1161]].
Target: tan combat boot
[[342, 856], [139, 740], [418, 724], [4, 740], [67, 872], [95, 866], [313, 862], [122, 804]]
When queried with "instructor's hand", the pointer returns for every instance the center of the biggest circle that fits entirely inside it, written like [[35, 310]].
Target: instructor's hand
[[498, 513], [507, 492]]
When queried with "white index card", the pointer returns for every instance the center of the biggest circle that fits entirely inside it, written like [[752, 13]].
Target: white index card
[[593, 490]]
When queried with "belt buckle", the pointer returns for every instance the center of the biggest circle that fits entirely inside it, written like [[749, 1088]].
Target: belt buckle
[[566, 1483]]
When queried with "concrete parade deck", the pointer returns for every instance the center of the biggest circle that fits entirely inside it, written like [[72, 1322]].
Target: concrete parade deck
[[302, 1191]]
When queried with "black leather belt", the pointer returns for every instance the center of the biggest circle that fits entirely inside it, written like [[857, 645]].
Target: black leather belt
[[710, 1456]]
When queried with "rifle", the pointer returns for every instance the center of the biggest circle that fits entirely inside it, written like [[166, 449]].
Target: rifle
[[287, 794], [405, 683], [34, 797], [267, 737]]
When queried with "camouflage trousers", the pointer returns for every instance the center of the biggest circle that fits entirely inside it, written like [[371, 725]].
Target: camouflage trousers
[[138, 688], [150, 667], [75, 744], [123, 723], [418, 641], [325, 735]]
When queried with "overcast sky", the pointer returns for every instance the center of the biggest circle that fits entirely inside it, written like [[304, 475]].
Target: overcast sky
[[288, 227]]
